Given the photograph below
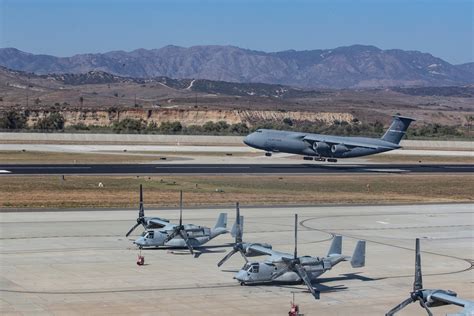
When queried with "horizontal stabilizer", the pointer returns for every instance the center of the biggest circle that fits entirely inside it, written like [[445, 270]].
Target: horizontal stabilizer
[[358, 258], [336, 246]]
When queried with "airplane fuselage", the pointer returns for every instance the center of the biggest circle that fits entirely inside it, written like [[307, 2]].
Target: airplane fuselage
[[197, 235], [305, 144], [262, 272]]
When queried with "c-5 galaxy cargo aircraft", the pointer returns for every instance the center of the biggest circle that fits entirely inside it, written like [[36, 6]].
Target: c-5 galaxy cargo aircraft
[[432, 297], [283, 267], [328, 146], [160, 232]]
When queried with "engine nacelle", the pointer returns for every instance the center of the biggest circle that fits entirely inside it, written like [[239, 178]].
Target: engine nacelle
[[339, 149], [321, 147]]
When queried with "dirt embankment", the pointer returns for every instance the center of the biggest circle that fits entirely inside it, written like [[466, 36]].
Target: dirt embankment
[[185, 117]]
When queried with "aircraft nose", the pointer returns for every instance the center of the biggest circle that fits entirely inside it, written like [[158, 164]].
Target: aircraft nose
[[139, 241], [249, 139], [241, 275]]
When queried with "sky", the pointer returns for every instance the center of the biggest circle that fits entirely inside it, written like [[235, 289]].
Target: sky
[[67, 27]]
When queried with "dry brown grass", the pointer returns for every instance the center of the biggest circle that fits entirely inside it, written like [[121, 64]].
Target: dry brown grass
[[83, 191], [30, 157], [418, 159]]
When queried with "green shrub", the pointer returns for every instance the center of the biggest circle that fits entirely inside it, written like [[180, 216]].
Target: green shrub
[[13, 120], [53, 122]]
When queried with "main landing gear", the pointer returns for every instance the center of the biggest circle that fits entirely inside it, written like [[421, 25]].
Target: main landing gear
[[332, 160], [315, 158], [268, 154]]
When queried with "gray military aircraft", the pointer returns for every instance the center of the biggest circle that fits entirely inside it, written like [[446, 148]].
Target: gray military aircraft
[[328, 146], [160, 232], [431, 298], [239, 246], [283, 267], [146, 222]]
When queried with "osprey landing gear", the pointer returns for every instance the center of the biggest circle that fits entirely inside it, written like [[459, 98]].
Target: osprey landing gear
[[268, 154], [332, 160]]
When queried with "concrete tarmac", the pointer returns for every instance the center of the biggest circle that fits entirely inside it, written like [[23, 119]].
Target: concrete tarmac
[[80, 262]]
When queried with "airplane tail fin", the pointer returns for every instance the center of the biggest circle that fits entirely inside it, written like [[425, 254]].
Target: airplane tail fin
[[358, 258], [336, 246], [397, 129], [221, 221]]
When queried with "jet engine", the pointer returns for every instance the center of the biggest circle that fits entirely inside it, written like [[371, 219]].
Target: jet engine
[[339, 149], [321, 147]]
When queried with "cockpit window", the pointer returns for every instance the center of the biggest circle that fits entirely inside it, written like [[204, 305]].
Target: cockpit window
[[149, 234], [258, 131], [255, 268]]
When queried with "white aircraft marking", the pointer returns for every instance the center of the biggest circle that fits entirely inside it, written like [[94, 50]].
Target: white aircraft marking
[[5, 171], [384, 223]]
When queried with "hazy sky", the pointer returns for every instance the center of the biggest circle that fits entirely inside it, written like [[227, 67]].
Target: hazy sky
[[68, 27]]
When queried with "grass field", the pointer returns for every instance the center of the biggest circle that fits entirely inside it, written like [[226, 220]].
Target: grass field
[[83, 191]]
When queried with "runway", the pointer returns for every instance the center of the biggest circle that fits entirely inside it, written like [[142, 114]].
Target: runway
[[234, 169]]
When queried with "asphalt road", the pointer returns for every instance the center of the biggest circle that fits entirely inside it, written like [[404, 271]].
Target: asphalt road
[[232, 169]]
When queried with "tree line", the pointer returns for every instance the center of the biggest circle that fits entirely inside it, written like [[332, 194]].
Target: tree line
[[54, 121]]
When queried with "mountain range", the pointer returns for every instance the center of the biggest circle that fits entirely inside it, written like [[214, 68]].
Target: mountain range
[[357, 66]]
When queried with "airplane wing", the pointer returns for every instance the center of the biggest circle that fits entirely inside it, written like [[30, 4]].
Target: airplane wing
[[158, 223], [346, 141], [274, 255]]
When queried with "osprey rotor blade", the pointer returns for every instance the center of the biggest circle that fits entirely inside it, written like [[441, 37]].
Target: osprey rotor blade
[[173, 234], [280, 273], [238, 235], [399, 307], [132, 229], [243, 255], [418, 283], [422, 303], [180, 208], [296, 236], [184, 235], [227, 256], [141, 210], [304, 276]]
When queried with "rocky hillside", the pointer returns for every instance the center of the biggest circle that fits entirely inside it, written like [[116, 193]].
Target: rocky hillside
[[105, 118], [355, 66]]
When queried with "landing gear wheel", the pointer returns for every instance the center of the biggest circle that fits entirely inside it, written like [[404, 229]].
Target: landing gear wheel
[[332, 160], [268, 154], [320, 159], [242, 283]]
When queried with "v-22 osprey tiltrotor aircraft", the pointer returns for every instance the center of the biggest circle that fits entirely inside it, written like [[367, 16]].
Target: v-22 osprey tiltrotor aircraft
[[283, 267], [160, 232]]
